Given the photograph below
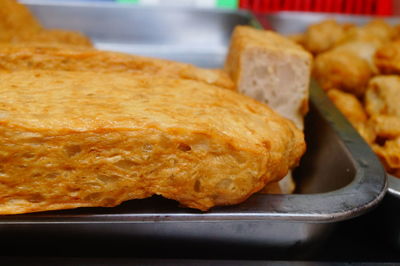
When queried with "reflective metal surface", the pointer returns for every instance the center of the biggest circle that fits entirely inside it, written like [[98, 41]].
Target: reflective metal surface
[[339, 177], [387, 217]]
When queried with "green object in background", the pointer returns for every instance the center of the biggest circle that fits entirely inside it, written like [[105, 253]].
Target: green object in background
[[230, 4], [224, 4]]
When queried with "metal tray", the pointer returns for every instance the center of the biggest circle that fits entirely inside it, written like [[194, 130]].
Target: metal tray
[[295, 22], [339, 177]]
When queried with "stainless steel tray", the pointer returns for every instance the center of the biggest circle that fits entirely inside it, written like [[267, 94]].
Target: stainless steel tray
[[339, 178], [295, 22]]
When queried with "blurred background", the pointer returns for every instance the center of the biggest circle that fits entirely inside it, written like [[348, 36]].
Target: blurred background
[[366, 7]]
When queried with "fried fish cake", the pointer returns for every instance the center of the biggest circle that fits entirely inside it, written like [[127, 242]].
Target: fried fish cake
[[29, 57], [16, 20], [73, 139], [18, 25]]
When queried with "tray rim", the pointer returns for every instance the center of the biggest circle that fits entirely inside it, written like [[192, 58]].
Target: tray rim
[[393, 182], [372, 188]]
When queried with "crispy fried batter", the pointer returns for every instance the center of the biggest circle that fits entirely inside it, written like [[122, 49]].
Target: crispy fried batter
[[352, 108], [389, 154], [387, 58], [25, 57], [376, 31], [383, 96], [322, 36], [342, 69], [54, 37], [16, 20], [18, 25], [382, 104], [72, 139]]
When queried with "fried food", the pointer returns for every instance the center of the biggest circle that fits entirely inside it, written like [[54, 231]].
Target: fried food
[[343, 70], [382, 104], [376, 31], [55, 37], [271, 69], [72, 139], [18, 25], [353, 110], [389, 154], [387, 58], [16, 20], [30, 57], [322, 36]]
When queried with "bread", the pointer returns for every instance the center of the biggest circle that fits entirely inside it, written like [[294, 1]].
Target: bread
[[30, 57], [71, 139], [18, 25], [272, 69]]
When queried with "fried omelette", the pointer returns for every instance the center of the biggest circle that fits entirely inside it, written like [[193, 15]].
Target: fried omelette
[[30, 57], [72, 139]]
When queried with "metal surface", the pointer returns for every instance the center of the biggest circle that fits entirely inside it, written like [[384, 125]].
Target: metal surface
[[387, 217], [297, 22], [339, 177]]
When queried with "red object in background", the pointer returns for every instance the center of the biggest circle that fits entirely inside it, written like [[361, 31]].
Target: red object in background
[[360, 7]]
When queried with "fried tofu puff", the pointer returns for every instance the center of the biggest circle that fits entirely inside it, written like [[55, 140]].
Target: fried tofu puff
[[353, 110], [323, 36]]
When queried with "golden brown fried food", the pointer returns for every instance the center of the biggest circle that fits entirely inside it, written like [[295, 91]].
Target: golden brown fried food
[[18, 25], [342, 69], [297, 38], [376, 31], [389, 154], [353, 110], [26, 57], [362, 49], [271, 69], [16, 20], [382, 104], [49, 37], [383, 96], [71, 139], [322, 36], [387, 58]]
